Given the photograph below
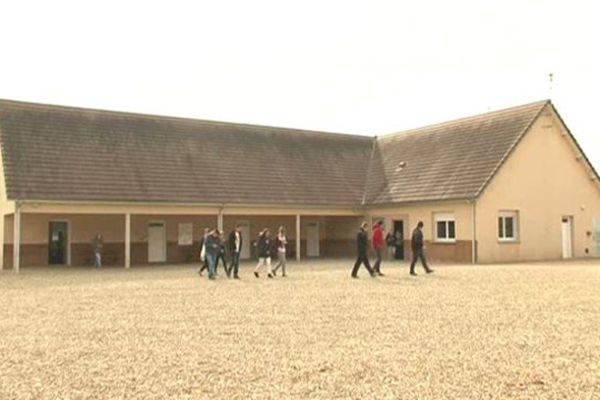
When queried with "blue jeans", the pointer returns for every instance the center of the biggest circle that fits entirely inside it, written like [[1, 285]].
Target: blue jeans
[[211, 258], [97, 259]]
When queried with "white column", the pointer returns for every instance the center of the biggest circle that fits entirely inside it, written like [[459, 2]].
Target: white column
[[127, 240], [298, 237], [220, 220], [17, 239]]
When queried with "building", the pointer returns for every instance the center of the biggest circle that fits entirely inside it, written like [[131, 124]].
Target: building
[[509, 185]]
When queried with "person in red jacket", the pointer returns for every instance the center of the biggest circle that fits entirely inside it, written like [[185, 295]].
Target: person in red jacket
[[378, 244]]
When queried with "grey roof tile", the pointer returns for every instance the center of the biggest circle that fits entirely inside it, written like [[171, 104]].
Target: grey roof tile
[[66, 153]]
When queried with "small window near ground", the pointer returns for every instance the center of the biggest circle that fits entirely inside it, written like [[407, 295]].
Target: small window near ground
[[507, 226], [445, 229]]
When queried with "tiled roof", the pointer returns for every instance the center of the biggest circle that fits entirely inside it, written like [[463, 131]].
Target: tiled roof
[[452, 160], [64, 153]]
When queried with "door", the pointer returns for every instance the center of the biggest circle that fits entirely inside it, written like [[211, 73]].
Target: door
[[312, 239], [245, 231], [567, 237], [596, 237], [157, 242], [57, 242], [399, 243]]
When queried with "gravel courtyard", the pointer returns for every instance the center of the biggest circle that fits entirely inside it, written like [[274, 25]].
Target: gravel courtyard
[[523, 331]]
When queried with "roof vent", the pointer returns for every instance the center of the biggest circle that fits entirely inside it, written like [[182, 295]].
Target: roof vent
[[400, 166]]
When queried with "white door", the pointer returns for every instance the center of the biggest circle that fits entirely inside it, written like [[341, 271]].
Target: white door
[[596, 236], [157, 242], [312, 239], [567, 237], [245, 230]]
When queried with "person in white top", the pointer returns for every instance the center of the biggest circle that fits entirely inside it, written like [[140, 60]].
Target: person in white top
[[280, 242]]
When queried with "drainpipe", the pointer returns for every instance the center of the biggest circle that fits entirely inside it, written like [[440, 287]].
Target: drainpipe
[[473, 233]]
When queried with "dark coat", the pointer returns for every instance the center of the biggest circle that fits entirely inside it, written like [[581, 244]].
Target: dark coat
[[362, 241], [264, 246], [212, 245], [232, 241], [416, 241]]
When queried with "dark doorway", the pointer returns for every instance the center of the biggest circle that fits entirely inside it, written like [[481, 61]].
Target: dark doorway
[[399, 244], [57, 243]]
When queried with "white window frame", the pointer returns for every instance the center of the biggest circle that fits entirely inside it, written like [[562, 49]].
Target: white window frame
[[444, 217], [504, 214]]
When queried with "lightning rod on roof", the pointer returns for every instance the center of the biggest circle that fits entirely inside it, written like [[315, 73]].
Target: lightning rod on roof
[[550, 83]]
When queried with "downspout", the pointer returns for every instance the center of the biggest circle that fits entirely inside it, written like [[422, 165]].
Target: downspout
[[473, 232]]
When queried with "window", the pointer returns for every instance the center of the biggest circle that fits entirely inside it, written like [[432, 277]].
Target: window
[[507, 226], [445, 229]]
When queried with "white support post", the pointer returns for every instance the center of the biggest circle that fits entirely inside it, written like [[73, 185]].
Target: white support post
[[17, 239], [220, 220], [127, 240], [298, 237]]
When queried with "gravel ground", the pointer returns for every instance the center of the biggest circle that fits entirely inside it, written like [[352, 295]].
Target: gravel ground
[[524, 331]]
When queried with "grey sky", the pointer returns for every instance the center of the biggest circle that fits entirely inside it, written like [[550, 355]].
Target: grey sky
[[366, 67]]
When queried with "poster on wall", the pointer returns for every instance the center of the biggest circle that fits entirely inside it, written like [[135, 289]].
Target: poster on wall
[[186, 236]]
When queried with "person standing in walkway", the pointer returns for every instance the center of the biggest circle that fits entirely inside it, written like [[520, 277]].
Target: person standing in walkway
[[417, 249], [390, 242], [263, 245], [235, 247], [211, 244], [362, 241], [97, 247], [280, 243], [377, 243]]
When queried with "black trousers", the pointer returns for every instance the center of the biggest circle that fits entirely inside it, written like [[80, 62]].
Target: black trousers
[[362, 259], [235, 263], [204, 265], [221, 257], [418, 254]]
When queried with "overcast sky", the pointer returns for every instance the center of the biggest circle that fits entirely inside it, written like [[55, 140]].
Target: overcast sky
[[365, 67]]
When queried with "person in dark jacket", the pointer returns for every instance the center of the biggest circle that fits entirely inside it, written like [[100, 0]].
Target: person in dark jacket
[[211, 244], [417, 249], [263, 245], [221, 253], [235, 248], [362, 241]]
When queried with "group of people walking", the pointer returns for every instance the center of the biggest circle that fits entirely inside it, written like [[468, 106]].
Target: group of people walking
[[214, 248], [377, 242]]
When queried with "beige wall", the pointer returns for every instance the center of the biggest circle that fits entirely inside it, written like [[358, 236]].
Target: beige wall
[[543, 180], [411, 214]]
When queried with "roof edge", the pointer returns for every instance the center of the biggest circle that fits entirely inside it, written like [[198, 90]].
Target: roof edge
[[479, 191], [457, 120], [175, 118], [579, 148]]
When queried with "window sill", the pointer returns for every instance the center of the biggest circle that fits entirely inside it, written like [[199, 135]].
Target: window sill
[[509, 241], [444, 241]]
